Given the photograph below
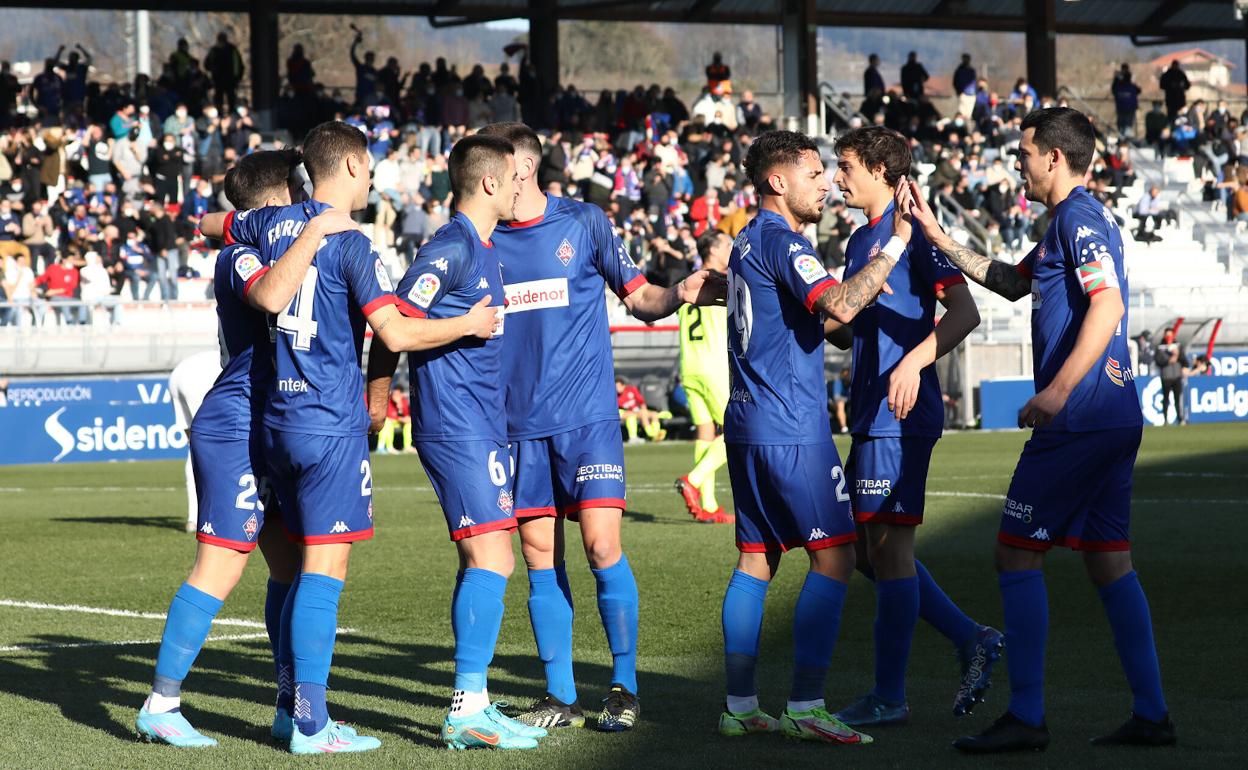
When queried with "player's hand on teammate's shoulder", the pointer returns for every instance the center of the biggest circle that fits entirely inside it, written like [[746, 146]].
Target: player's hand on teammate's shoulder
[[333, 221], [704, 287], [482, 319], [902, 220]]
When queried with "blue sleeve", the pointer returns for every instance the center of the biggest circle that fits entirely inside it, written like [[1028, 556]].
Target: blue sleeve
[[611, 258], [937, 271], [245, 268], [366, 276], [246, 226], [792, 263], [1086, 240], [436, 271]]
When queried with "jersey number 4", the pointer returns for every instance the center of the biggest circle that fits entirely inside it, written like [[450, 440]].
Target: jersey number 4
[[297, 319]]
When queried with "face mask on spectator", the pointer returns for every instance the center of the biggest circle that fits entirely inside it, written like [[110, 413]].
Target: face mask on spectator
[[169, 144], [210, 114], [181, 114]]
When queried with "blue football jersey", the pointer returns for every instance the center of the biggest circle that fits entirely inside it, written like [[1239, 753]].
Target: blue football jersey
[[775, 342], [1081, 254], [317, 387], [236, 400], [457, 389], [894, 325], [560, 374]]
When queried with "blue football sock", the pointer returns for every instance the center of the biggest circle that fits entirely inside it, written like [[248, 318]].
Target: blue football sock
[[561, 577], [617, 606], [186, 627], [742, 620], [1026, 605], [274, 602], [940, 612], [313, 628], [1127, 608], [550, 612], [286, 656], [476, 615], [896, 614], [816, 621]]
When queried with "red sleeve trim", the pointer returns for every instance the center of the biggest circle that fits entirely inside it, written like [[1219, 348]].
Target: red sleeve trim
[[229, 222], [1023, 269], [345, 537], [481, 529], [380, 302], [221, 542], [949, 280], [817, 290], [633, 285], [247, 286], [1097, 290], [408, 309]]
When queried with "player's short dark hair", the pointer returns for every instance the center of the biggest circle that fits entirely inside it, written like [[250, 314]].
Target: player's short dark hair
[[877, 146], [775, 148], [326, 146], [706, 241], [521, 136], [1066, 129], [474, 157], [256, 177]]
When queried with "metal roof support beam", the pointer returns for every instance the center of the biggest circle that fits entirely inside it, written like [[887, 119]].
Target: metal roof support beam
[[1041, 17], [801, 63], [265, 78], [701, 10], [1161, 15], [544, 45]]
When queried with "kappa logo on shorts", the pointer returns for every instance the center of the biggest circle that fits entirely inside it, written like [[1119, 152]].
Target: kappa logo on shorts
[[1040, 534], [465, 521], [816, 534], [339, 527], [207, 528], [505, 502], [897, 507], [565, 252], [251, 527]]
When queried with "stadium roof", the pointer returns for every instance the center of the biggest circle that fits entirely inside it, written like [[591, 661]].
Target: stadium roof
[[1142, 19]]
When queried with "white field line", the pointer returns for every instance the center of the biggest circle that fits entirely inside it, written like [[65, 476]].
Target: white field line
[[1134, 500], [123, 643]]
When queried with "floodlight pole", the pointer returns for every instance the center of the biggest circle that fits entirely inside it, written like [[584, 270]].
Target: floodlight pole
[[800, 30], [264, 62], [1041, 24]]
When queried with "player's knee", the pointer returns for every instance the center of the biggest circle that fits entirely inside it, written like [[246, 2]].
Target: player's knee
[[538, 554], [1106, 567], [837, 562], [1011, 559], [603, 551]]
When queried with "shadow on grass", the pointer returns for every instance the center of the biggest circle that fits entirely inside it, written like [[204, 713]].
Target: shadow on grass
[[177, 523]]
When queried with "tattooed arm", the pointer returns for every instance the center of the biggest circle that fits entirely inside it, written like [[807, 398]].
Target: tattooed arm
[[994, 275], [843, 301]]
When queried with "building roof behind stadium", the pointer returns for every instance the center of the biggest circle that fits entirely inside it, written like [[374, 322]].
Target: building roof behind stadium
[[1144, 20]]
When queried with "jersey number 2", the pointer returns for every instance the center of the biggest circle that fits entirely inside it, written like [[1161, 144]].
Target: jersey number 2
[[695, 323]]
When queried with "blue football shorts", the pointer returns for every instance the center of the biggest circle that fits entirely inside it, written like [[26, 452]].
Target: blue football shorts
[[324, 484], [888, 476], [564, 474], [473, 482], [232, 486]]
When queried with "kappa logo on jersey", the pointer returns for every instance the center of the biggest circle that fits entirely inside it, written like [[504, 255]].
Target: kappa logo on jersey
[[247, 265], [505, 502], [207, 528], [251, 526], [465, 521], [565, 252], [1083, 232], [383, 275], [424, 290], [339, 527], [441, 264], [1040, 534], [809, 268], [795, 247], [816, 534], [483, 284]]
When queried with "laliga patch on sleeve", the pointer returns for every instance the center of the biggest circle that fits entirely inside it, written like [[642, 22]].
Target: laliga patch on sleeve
[[809, 268], [247, 265], [383, 275], [424, 290]]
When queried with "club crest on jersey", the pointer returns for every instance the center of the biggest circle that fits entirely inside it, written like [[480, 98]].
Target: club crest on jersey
[[505, 501], [565, 252], [247, 265], [809, 268], [250, 527], [424, 290], [383, 275], [875, 249]]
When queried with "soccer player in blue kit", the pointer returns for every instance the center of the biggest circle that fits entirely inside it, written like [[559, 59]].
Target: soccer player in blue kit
[[1072, 485], [315, 416], [558, 257], [897, 417], [459, 427], [788, 485], [231, 477]]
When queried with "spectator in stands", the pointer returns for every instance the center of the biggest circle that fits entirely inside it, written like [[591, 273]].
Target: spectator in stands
[[1170, 362], [299, 72], [38, 230], [76, 69], [632, 406], [182, 64], [838, 400], [128, 158], [225, 66], [398, 415], [166, 162], [1126, 100], [964, 85], [365, 73], [162, 239], [46, 90], [1152, 213], [717, 74], [1175, 84], [913, 76], [60, 287], [139, 262], [9, 89], [11, 232], [872, 80], [1239, 197], [122, 121], [1122, 171], [95, 289]]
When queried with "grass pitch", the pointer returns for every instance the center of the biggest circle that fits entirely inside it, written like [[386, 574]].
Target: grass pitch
[[110, 536]]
